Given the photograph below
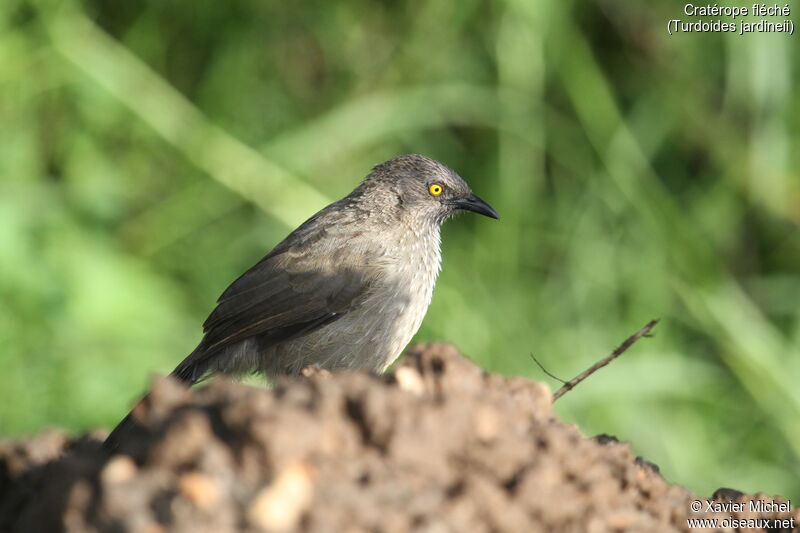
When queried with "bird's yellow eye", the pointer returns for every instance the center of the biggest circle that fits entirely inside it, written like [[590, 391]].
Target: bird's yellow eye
[[435, 189]]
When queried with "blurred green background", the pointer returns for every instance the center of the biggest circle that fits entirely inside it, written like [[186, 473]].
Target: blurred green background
[[152, 151]]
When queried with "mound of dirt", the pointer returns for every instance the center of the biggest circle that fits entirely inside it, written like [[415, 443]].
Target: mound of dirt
[[436, 446]]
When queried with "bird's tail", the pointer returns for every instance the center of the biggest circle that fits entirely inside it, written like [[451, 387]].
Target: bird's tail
[[126, 428], [191, 370]]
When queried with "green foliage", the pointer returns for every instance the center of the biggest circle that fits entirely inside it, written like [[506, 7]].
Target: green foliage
[[151, 151]]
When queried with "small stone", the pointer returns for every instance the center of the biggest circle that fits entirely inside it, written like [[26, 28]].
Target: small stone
[[118, 470], [408, 379], [199, 489], [279, 506], [486, 423], [726, 494]]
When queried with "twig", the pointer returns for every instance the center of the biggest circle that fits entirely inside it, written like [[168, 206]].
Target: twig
[[545, 370], [571, 384]]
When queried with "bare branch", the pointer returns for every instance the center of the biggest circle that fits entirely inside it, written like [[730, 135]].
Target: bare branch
[[546, 371], [571, 384]]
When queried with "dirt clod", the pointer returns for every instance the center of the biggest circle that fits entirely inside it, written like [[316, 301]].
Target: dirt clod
[[435, 446]]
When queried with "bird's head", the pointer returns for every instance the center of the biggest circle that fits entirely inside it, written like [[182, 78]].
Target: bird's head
[[426, 188]]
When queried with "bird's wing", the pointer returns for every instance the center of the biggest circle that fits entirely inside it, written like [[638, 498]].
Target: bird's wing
[[278, 299], [283, 296], [311, 279]]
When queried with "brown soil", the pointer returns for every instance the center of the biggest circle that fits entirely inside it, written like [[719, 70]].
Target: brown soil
[[436, 446]]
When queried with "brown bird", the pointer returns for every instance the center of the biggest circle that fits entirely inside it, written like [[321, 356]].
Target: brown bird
[[347, 289]]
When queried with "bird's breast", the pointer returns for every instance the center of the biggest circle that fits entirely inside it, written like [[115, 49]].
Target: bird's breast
[[408, 289], [372, 336]]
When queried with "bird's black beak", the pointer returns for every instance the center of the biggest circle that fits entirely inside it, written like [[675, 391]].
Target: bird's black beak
[[476, 205]]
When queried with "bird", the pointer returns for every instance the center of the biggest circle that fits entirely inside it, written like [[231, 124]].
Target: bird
[[347, 289]]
